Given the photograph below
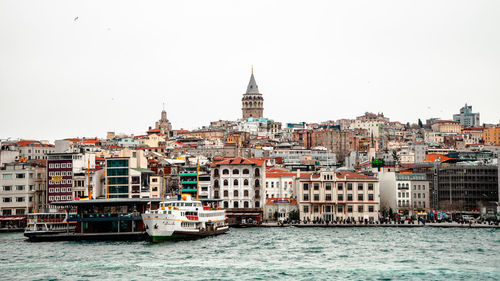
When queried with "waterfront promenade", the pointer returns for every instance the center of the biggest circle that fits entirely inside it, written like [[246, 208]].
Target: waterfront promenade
[[404, 225]]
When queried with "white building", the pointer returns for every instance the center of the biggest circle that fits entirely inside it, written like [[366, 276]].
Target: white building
[[239, 182], [279, 191], [17, 189]]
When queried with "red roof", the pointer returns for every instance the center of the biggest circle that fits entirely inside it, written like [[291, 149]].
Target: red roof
[[240, 161], [432, 157], [446, 121]]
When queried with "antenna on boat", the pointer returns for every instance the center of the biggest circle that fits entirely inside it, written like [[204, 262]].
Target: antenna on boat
[[197, 177]]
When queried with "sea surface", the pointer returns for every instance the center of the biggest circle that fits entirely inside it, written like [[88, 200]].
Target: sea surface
[[265, 254]]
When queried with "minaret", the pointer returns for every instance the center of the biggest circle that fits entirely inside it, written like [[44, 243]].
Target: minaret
[[252, 101]]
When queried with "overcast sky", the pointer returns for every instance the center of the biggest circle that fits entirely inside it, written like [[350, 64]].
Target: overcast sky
[[82, 68]]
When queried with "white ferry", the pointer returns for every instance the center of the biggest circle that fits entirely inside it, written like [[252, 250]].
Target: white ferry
[[184, 219], [42, 224]]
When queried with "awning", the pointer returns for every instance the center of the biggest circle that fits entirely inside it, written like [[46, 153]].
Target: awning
[[243, 214], [12, 218]]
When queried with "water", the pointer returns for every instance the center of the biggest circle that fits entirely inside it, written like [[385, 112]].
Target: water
[[265, 254]]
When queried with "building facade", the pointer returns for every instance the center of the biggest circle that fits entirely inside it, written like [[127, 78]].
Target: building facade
[[466, 117], [238, 182], [335, 196]]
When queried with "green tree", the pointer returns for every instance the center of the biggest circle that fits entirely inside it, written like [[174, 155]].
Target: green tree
[[294, 215]]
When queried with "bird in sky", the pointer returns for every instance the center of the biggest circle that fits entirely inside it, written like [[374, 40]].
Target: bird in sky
[[75, 19]]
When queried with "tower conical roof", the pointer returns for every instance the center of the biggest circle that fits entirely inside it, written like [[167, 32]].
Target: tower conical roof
[[252, 86]]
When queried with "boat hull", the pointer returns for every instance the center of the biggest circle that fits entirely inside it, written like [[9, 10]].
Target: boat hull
[[182, 235]]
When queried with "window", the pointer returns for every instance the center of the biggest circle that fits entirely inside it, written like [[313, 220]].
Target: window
[[360, 197], [20, 176], [340, 209], [370, 186], [340, 197], [7, 188], [20, 187], [257, 183], [316, 208], [7, 176], [316, 186], [225, 172], [360, 186], [349, 209], [423, 187], [245, 204], [328, 186], [226, 193], [328, 197], [328, 209], [316, 197], [246, 171], [349, 186], [245, 182], [69, 165], [216, 183], [154, 180], [414, 187], [20, 199], [236, 171], [226, 183], [361, 208], [370, 209], [226, 205], [340, 186], [423, 195], [257, 172], [245, 193], [7, 199], [370, 197], [236, 204], [306, 186], [349, 197], [306, 209], [235, 194], [235, 182], [306, 197]]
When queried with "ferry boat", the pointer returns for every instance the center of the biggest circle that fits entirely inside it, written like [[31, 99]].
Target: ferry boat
[[184, 219], [47, 224]]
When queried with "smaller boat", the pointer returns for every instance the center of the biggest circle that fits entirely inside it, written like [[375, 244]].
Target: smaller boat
[[46, 224], [184, 219]]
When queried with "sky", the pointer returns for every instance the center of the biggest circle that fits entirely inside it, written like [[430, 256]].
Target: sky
[[83, 68]]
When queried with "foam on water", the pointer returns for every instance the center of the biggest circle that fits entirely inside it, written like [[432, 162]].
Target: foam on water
[[266, 254]]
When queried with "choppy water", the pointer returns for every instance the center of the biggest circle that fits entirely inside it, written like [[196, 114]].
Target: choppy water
[[264, 254]]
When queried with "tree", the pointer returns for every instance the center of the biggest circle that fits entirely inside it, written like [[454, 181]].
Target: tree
[[294, 215], [275, 216]]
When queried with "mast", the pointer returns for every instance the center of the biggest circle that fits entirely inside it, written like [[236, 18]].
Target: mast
[[88, 175], [163, 188], [197, 177]]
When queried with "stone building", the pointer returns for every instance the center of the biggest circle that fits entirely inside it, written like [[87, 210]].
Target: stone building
[[163, 124], [330, 196], [252, 101]]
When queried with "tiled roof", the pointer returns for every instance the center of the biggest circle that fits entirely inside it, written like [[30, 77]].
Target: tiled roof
[[240, 161], [433, 157]]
